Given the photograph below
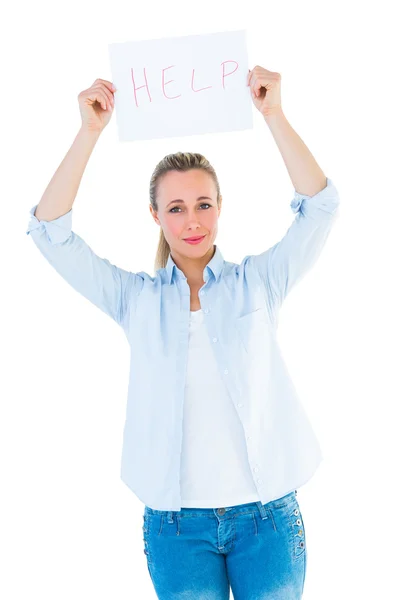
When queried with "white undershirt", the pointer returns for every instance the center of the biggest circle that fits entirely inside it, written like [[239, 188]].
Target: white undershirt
[[214, 466]]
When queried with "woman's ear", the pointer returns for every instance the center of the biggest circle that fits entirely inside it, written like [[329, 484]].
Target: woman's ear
[[154, 215]]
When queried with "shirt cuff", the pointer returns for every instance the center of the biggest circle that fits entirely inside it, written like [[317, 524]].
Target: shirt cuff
[[326, 200], [57, 231]]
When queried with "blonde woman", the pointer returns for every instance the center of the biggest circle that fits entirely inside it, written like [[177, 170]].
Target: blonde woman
[[215, 442]]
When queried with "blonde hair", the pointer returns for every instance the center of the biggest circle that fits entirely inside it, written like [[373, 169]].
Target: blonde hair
[[180, 161]]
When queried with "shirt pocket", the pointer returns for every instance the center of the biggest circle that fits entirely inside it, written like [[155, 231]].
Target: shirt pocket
[[254, 330]]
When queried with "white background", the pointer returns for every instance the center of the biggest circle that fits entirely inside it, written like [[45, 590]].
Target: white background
[[69, 527]]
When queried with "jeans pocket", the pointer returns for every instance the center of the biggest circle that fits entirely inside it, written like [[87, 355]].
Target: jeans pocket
[[297, 529]]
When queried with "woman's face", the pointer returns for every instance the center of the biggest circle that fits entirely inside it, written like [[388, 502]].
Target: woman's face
[[190, 216]]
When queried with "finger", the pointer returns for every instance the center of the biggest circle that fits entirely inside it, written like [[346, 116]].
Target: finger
[[102, 99], [252, 81], [108, 84], [108, 95]]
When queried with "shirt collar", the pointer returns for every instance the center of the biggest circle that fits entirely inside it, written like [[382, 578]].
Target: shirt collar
[[215, 265]]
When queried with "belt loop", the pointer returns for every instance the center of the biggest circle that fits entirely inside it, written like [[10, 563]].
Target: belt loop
[[262, 510], [170, 516]]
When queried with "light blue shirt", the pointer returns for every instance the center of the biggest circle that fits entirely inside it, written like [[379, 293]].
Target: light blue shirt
[[241, 304]]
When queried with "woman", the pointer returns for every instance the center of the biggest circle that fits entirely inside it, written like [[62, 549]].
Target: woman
[[216, 441]]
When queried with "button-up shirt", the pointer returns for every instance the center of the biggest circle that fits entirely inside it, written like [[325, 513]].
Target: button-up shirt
[[240, 306]]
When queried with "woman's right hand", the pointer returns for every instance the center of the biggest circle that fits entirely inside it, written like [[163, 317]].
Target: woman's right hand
[[96, 105]]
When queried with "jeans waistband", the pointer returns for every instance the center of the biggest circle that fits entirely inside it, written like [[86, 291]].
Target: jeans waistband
[[225, 511]]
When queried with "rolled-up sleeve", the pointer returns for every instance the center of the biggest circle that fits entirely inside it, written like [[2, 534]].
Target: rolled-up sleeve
[[108, 287], [285, 264]]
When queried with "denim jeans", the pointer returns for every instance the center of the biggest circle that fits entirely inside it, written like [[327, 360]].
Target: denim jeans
[[256, 550]]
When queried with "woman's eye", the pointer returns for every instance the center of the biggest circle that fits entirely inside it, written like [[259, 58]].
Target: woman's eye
[[204, 204]]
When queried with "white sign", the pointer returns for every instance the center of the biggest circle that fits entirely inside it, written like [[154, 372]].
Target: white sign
[[180, 86]]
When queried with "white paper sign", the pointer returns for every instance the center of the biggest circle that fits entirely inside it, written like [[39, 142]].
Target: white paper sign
[[180, 86]]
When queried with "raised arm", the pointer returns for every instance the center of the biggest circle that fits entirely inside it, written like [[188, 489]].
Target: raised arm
[[95, 105], [108, 287], [61, 192], [284, 265], [315, 202]]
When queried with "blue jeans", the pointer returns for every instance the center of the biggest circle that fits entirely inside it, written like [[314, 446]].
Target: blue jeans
[[257, 550]]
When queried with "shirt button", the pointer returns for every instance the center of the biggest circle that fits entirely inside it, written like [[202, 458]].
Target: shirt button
[[215, 339], [248, 438], [206, 310], [240, 405], [226, 371], [259, 480], [202, 293], [255, 469]]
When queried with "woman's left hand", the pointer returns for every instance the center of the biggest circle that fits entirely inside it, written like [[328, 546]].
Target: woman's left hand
[[265, 87]]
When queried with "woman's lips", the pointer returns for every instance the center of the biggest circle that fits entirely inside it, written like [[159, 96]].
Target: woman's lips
[[195, 241]]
